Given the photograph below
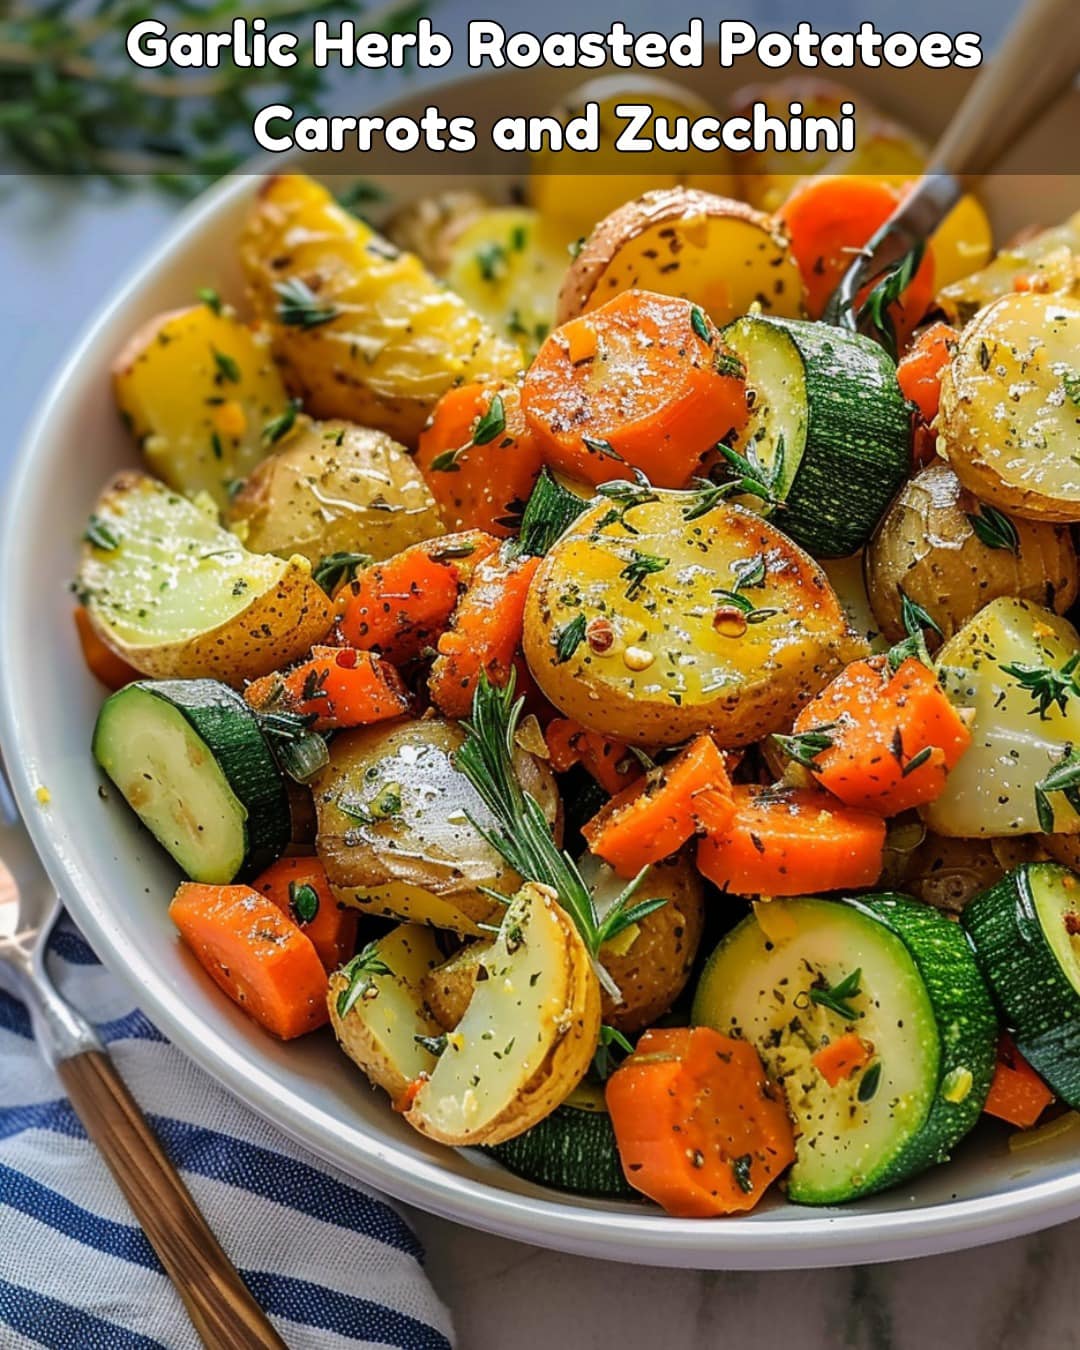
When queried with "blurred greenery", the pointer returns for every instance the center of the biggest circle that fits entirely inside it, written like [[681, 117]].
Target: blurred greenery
[[72, 102]]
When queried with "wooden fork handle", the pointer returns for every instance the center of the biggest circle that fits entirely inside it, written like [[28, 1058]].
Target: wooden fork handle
[[218, 1302]]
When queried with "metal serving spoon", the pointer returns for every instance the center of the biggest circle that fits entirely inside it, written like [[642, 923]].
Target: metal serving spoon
[[1038, 60], [218, 1302]]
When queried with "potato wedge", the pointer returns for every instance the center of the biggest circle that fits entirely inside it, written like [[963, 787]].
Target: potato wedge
[[528, 1035], [1009, 422], [681, 659], [651, 960], [927, 546], [177, 596], [394, 832], [720, 253], [1014, 745], [359, 330], [1048, 262], [449, 988], [335, 488], [198, 389], [379, 1030]]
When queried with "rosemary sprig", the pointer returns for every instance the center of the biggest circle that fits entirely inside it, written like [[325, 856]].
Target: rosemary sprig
[[994, 529], [491, 424], [640, 566], [916, 621], [876, 310], [1046, 685], [281, 425], [805, 747], [1064, 777], [298, 305], [358, 973], [335, 568], [836, 997], [605, 1061], [752, 477]]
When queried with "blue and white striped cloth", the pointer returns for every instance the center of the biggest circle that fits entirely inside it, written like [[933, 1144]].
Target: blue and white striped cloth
[[334, 1267]]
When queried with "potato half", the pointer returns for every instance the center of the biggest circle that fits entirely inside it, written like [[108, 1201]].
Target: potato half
[[1048, 261], [394, 828], [927, 545], [528, 1035], [178, 597], [720, 253], [335, 488], [630, 633]]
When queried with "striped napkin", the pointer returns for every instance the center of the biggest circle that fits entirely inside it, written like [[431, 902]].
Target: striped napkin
[[333, 1266]]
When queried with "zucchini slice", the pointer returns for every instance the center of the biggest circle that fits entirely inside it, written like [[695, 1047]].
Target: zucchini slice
[[899, 975], [189, 759], [828, 425], [1022, 929], [573, 1149]]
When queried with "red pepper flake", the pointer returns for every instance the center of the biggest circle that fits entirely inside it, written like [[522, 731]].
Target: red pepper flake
[[1072, 923], [600, 635]]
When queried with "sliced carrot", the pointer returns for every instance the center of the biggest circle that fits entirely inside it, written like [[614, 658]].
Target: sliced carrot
[[839, 1059], [338, 686], [828, 220], [101, 661], [654, 817], [484, 633], [301, 890], [920, 371], [699, 1127], [400, 606], [894, 737], [644, 381], [479, 458], [1017, 1093], [255, 954], [611, 763], [793, 841]]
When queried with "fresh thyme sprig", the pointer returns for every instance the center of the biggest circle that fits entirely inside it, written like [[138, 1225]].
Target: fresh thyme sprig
[[993, 528], [358, 973], [334, 568], [805, 747], [837, 997], [916, 621], [876, 310], [1045, 684], [1064, 777], [640, 566]]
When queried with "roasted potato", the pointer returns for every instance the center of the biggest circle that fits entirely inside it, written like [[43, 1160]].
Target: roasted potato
[[527, 1037], [847, 578], [572, 202], [335, 488], [1014, 742], [175, 595], [429, 225], [962, 244], [625, 632], [380, 1030], [947, 873], [359, 330], [1046, 262], [1009, 421], [722, 254], [507, 266], [394, 830], [928, 546], [449, 987], [198, 389], [651, 960]]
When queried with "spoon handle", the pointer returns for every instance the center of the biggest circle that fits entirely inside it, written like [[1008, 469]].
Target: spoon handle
[[218, 1302], [1037, 61]]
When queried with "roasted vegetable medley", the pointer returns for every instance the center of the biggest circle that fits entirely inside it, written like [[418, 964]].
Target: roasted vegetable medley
[[636, 712]]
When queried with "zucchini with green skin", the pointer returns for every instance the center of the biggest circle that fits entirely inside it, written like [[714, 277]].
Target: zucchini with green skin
[[828, 427], [550, 511], [190, 760], [899, 975], [1022, 929], [573, 1149]]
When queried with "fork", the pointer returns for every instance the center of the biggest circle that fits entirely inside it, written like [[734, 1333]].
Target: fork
[[218, 1302]]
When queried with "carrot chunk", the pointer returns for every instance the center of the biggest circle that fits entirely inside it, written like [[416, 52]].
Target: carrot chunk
[[657, 815], [338, 686], [792, 841], [892, 737], [1017, 1093], [920, 371], [828, 220], [301, 890], [400, 606], [644, 381], [101, 661], [699, 1127], [610, 762], [254, 954], [484, 633], [839, 1059], [479, 458]]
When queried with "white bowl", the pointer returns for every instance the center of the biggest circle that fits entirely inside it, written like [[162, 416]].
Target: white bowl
[[116, 882]]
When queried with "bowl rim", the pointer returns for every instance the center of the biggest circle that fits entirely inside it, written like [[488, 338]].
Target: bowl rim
[[833, 1237]]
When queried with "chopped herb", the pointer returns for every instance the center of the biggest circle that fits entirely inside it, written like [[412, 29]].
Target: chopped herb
[[227, 367], [727, 363], [447, 460], [519, 237], [303, 900], [605, 1062], [1046, 685], [575, 246], [335, 569], [805, 747], [100, 535], [210, 298], [233, 487], [700, 324], [434, 1045], [490, 258], [1071, 381], [492, 424], [312, 688], [447, 552], [361, 193], [570, 636], [741, 1168], [601, 447], [915, 620], [359, 973], [388, 802], [281, 425], [640, 566], [749, 572], [836, 997], [299, 307], [984, 356], [917, 761], [868, 1083], [216, 447], [994, 529]]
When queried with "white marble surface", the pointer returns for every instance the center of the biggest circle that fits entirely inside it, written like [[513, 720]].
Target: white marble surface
[[62, 248]]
